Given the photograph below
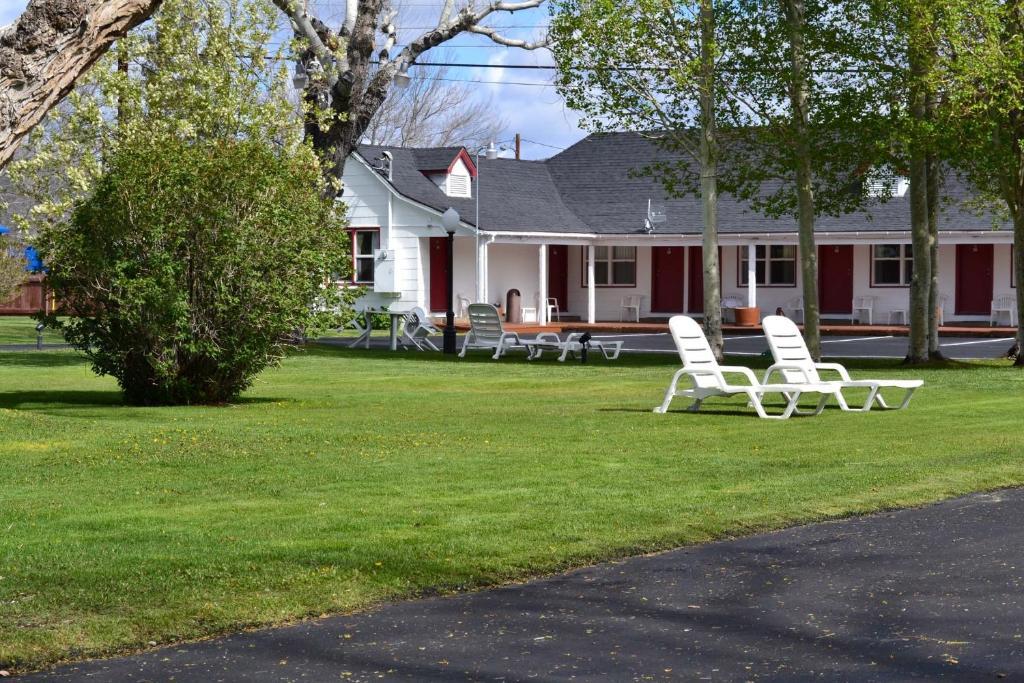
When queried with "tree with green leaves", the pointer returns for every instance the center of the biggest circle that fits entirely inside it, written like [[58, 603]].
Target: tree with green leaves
[[181, 216], [12, 268], [806, 129], [985, 88], [658, 67]]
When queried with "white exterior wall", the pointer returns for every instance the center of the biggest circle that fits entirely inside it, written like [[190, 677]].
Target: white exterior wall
[[513, 266], [608, 299]]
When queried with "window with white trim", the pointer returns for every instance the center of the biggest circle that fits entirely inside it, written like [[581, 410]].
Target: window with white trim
[[892, 265], [774, 265], [613, 266], [364, 244]]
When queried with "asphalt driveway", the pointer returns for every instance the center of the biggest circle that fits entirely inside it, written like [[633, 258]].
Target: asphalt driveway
[[935, 592]]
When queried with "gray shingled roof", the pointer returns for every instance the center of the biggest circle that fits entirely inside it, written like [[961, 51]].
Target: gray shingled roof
[[591, 188]]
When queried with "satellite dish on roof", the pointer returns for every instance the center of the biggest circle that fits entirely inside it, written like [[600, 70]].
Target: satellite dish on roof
[[655, 215]]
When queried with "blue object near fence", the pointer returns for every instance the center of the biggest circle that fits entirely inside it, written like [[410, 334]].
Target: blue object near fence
[[33, 263]]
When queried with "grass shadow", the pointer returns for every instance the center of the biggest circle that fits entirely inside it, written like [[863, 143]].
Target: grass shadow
[[41, 359]]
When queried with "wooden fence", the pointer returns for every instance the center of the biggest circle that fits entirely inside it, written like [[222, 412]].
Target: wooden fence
[[31, 298]]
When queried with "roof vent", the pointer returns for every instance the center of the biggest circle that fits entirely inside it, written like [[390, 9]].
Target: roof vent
[[883, 182], [458, 185]]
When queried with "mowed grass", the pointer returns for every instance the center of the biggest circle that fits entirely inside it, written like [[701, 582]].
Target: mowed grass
[[345, 478], [21, 329]]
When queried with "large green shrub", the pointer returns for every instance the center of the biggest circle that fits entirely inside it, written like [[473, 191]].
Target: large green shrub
[[192, 264]]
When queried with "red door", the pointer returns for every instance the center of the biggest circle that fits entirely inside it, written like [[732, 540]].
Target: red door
[[973, 279], [835, 279], [695, 280], [558, 274], [668, 267], [438, 273]]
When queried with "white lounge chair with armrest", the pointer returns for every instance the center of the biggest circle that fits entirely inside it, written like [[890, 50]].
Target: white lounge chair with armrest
[[793, 361], [486, 332], [708, 377], [573, 344], [418, 328]]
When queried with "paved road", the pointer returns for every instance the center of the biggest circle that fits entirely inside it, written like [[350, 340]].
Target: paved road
[[928, 593], [832, 347], [835, 347]]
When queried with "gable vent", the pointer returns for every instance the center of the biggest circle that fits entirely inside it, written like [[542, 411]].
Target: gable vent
[[458, 186]]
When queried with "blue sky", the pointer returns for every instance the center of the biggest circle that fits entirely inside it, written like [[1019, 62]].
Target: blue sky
[[523, 97]]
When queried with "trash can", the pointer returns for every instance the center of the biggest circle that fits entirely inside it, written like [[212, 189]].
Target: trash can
[[513, 306]]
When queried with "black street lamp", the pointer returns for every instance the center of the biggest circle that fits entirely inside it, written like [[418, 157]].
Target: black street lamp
[[450, 219]]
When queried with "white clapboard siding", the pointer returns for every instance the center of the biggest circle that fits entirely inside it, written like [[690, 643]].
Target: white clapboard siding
[[366, 197]]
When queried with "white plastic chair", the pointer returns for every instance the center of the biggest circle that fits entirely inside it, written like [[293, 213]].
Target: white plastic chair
[[940, 309], [708, 377], [793, 361], [486, 332], [900, 313], [418, 328], [461, 305], [553, 311], [1004, 305], [630, 303], [865, 304]]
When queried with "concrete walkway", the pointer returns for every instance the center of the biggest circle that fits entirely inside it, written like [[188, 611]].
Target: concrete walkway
[[936, 592]]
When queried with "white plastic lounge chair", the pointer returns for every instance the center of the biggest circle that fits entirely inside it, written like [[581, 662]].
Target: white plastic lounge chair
[[486, 332], [793, 361], [418, 328], [549, 341], [708, 378]]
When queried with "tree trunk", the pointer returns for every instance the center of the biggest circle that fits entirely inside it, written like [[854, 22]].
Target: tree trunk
[[798, 96], [51, 44], [932, 164], [709, 180], [920, 283]]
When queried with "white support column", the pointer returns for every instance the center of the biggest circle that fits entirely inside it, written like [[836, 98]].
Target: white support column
[[481, 270], [751, 275], [591, 290], [485, 272], [542, 285]]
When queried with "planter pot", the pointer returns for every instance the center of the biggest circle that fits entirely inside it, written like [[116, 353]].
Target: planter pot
[[748, 316]]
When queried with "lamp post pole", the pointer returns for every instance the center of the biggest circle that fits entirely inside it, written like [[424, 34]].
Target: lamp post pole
[[449, 316]]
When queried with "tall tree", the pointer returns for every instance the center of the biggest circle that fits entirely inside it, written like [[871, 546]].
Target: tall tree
[[986, 89], [655, 66], [50, 45], [351, 72], [806, 123]]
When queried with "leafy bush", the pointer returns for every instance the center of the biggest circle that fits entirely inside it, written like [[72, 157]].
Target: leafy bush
[[12, 269], [192, 265]]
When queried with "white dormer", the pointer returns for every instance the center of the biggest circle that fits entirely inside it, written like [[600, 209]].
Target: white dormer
[[883, 181], [457, 182]]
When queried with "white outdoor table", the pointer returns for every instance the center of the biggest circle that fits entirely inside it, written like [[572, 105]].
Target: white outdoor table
[[368, 312]]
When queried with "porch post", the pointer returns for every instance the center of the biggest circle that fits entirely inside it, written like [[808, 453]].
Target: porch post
[[542, 285], [481, 270], [751, 275], [591, 291]]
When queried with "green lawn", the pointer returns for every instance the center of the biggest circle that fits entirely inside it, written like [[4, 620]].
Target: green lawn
[[21, 329], [346, 477]]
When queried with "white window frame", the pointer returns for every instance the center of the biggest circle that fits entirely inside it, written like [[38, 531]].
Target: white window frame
[[766, 257], [905, 256], [610, 260], [357, 257]]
